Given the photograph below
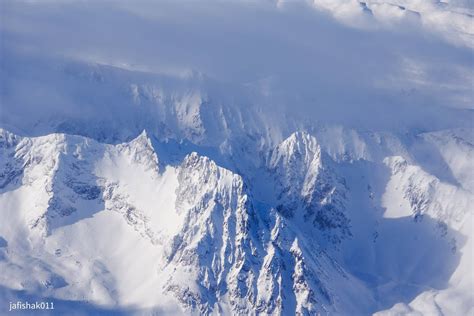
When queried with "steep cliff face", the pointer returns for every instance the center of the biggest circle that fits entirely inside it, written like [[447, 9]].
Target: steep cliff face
[[308, 186], [217, 246]]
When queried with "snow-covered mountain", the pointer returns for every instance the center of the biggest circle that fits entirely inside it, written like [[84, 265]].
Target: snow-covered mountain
[[94, 220], [288, 179]]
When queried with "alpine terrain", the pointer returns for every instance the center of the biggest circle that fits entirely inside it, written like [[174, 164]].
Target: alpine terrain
[[237, 157]]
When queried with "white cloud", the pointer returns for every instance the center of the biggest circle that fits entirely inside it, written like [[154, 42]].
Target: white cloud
[[318, 66]]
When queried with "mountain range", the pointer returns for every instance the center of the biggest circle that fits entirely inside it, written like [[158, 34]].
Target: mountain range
[[128, 190]]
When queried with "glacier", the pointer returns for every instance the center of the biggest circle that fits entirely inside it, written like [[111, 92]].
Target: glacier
[[237, 158]]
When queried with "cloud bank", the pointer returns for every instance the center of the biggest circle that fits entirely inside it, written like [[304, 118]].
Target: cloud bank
[[343, 62]]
